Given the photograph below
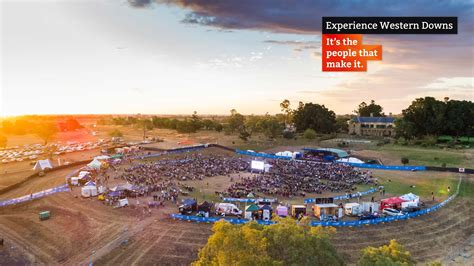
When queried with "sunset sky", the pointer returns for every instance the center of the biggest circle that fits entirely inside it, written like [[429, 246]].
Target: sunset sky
[[142, 56]]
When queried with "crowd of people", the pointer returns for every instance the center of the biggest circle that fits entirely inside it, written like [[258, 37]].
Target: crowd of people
[[164, 176], [296, 178], [285, 178]]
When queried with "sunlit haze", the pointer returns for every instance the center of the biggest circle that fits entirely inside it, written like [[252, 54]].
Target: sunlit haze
[[105, 56]]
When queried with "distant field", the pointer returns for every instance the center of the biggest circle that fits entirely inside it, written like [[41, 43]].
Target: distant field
[[392, 154], [398, 182]]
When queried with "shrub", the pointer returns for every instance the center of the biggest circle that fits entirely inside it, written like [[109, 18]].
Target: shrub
[[218, 127], [309, 134], [342, 144], [391, 254], [429, 140], [116, 133], [288, 134], [405, 160]]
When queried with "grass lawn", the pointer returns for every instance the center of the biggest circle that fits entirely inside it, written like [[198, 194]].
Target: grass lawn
[[467, 188], [430, 156], [398, 183]]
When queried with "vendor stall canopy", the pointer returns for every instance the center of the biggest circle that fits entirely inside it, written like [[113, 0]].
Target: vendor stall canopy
[[252, 208], [42, 165]]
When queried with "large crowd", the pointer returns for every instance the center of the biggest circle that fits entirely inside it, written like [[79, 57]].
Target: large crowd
[[165, 175], [285, 178], [294, 178]]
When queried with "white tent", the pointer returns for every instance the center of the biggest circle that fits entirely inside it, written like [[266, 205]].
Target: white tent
[[89, 190], [42, 165], [83, 174], [350, 160], [75, 180], [102, 157], [410, 200], [95, 164]]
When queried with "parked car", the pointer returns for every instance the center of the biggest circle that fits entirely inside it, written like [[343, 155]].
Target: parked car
[[392, 212], [368, 216], [411, 209], [224, 209]]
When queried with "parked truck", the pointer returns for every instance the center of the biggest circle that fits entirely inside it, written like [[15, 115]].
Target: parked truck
[[224, 209]]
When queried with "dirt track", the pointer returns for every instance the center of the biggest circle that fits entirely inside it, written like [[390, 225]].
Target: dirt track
[[429, 238]]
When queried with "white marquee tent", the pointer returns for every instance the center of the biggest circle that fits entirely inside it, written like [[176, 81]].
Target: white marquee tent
[[410, 200], [95, 164], [89, 190], [42, 165], [350, 160]]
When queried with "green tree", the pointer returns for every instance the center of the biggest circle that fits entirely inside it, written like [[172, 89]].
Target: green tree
[[185, 126], [284, 243], [208, 124], [271, 127], [46, 131], [196, 122], [373, 109], [391, 254], [425, 116], [341, 124], [405, 160], [253, 123], [218, 127], [309, 134], [316, 117], [244, 134], [235, 121], [285, 108], [459, 118]]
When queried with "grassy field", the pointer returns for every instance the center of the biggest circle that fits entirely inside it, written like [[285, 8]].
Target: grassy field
[[467, 188], [431, 156], [419, 183]]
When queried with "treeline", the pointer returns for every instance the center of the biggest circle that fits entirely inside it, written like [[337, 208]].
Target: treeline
[[186, 125], [45, 127], [288, 242], [430, 117]]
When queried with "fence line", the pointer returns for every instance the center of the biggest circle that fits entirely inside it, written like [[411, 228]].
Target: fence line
[[343, 197], [198, 219], [36, 195]]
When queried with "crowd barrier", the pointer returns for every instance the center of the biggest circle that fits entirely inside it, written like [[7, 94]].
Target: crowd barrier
[[360, 165], [37, 195], [198, 219], [321, 223], [391, 218], [272, 156], [343, 197], [171, 151], [387, 167], [245, 200], [384, 219], [263, 155]]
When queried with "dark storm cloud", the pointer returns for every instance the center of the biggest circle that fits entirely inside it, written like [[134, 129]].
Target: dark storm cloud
[[299, 45], [140, 3], [305, 16]]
